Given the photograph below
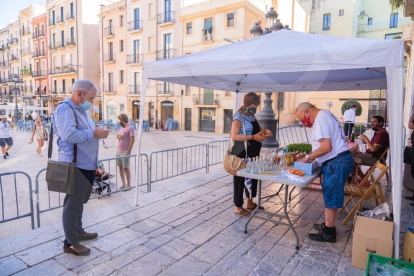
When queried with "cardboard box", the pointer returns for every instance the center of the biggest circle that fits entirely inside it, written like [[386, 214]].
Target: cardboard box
[[371, 235], [408, 251], [307, 168]]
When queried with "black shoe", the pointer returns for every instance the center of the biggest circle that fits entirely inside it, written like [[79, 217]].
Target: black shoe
[[319, 226], [409, 197], [7, 153], [323, 237], [5, 157]]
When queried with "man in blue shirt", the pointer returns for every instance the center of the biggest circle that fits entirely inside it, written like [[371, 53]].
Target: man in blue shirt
[[87, 138]]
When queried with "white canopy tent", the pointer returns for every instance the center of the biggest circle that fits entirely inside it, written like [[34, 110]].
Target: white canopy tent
[[298, 62]]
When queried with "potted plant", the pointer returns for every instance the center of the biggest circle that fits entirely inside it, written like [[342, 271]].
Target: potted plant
[[359, 129]]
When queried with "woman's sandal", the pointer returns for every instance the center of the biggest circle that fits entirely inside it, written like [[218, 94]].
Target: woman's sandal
[[254, 207], [243, 213]]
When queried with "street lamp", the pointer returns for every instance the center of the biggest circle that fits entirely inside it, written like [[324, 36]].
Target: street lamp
[[266, 117], [18, 84]]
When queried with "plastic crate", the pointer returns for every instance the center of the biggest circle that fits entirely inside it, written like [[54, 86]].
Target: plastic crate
[[381, 259]]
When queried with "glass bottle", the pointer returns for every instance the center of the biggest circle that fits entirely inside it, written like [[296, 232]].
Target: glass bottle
[[256, 166], [282, 163], [249, 166]]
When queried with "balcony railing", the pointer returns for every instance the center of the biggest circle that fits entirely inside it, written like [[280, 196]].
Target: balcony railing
[[109, 57], [60, 44], [26, 51], [207, 36], [63, 70], [382, 25], [134, 89], [166, 17], [4, 63], [39, 74], [25, 72], [165, 88], [53, 91], [206, 99], [70, 16], [135, 25], [4, 80], [63, 90], [27, 89], [164, 54], [38, 34], [52, 22], [109, 32], [39, 53], [135, 59], [15, 40], [60, 19], [25, 31], [70, 41], [14, 58], [110, 88], [52, 46]]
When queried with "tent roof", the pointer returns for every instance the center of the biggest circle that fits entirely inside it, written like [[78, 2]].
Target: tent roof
[[285, 61]]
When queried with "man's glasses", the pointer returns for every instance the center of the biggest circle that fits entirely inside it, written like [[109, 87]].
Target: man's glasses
[[105, 146]]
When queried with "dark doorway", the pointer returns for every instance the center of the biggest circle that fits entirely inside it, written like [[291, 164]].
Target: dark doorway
[[150, 113], [228, 118], [187, 112], [167, 109], [135, 110]]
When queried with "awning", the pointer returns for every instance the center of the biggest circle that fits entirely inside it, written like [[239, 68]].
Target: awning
[[208, 24]]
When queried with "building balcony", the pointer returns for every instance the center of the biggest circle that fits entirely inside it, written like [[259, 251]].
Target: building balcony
[[109, 32], [14, 58], [52, 47], [110, 58], [135, 59], [134, 89], [207, 36], [52, 22], [70, 42], [39, 74], [27, 89], [4, 80], [60, 44], [25, 31], [4, 64], [165, 88], [64, 70], [206, 99], [15, 41], [25, 72], [382, 25], [38, 35], [39, 53], [110, 89], [60, 19], [165, 54], [166, 18], [26, 51], [70, 16], [63, 90], [135, 26]]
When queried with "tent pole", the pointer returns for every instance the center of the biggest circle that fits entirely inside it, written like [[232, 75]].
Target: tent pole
[[238, 95]]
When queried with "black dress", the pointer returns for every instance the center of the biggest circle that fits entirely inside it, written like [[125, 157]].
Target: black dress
[[253, 150]]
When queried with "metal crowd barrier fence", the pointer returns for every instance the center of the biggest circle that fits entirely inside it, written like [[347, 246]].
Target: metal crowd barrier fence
[[55, 200], [6, 201], [216, 151], [169, 163], [292, 134]]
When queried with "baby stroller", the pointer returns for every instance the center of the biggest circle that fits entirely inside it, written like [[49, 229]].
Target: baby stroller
[[102, 181]]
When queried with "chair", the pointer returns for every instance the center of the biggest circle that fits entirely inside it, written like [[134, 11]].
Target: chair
[[383, 160], [373, 191]]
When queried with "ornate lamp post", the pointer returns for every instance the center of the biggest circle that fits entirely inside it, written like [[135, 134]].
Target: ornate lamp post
[[18, 84], [266, 117]]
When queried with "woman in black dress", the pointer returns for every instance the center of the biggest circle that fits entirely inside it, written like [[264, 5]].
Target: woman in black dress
[[254, 141]]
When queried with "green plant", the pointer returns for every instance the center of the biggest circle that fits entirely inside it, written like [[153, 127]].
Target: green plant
[[360, 127], [347, 105], [307, 148], [397, 37], [396, 4]]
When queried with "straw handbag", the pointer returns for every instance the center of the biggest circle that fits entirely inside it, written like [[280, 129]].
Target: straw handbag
[[232, 163]]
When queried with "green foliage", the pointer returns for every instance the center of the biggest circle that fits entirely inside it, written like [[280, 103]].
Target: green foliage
[[396, 4], [362, 127], [347, 105], [307, 148]]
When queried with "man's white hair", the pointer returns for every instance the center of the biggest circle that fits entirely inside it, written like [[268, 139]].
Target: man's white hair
[[84, 86], [304, 106]]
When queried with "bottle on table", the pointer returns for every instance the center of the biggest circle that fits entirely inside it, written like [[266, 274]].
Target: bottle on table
[[249, 168], [256, 166], [352, 139]]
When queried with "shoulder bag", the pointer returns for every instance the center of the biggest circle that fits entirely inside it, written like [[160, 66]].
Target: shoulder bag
[[233, 163], [60, 176]]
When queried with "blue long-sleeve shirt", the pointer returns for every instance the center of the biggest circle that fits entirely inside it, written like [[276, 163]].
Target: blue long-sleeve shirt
[[64, 126]]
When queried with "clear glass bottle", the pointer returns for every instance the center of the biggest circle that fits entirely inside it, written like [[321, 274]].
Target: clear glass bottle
[[282, 162], [249, 168], [256, 166]]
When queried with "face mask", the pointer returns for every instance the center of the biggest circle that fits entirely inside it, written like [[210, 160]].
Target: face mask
[[252, 110], [86, 105], [306, 122]]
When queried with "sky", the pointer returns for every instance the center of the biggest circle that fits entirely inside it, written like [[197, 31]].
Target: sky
[[11, 9]]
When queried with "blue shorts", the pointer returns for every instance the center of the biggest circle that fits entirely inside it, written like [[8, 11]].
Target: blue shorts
[[335, 174], [6, 141]]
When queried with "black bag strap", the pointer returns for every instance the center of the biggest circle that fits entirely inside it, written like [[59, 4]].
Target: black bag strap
[[75, 146]]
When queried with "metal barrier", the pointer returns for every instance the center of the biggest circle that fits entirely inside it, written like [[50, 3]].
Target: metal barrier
[[165, 164], [55, 200], [292, 134], [216, 151], [2, 189]]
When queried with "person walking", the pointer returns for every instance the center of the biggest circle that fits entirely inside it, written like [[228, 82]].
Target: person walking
[[126, 140], [6, 139], [73, 125], [39, 130], [330, 149], [254, 141], [349, 120]]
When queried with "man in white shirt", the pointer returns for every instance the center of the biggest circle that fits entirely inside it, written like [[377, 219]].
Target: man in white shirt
[[6, 140], [330, 149], [349, 120]]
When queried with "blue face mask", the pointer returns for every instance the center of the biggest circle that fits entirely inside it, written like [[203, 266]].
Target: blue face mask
[[86, 105]]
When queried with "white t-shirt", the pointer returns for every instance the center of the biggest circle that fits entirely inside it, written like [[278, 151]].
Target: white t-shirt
[[349, 115], [5, 130], [327, 126]]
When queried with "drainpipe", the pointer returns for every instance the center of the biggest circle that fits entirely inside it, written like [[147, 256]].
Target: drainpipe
[[103, 70], [156, 51]]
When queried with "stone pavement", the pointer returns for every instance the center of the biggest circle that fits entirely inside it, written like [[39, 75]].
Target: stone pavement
[[185, 226]]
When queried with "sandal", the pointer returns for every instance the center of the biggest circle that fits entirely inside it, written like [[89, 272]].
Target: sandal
[[243, 213], [254, 207]]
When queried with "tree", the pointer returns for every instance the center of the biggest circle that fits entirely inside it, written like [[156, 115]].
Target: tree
[[347, 105], [396, 4]]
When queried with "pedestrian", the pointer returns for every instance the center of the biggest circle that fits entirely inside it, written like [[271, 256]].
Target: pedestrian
[[330, 149], [126, 139], [39, 130], [73, 125], [6, 139], [10, 119], [349, 120], [251, 133]]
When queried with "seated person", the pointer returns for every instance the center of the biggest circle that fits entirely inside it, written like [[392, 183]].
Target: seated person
[[101, 175], [378, 144]]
